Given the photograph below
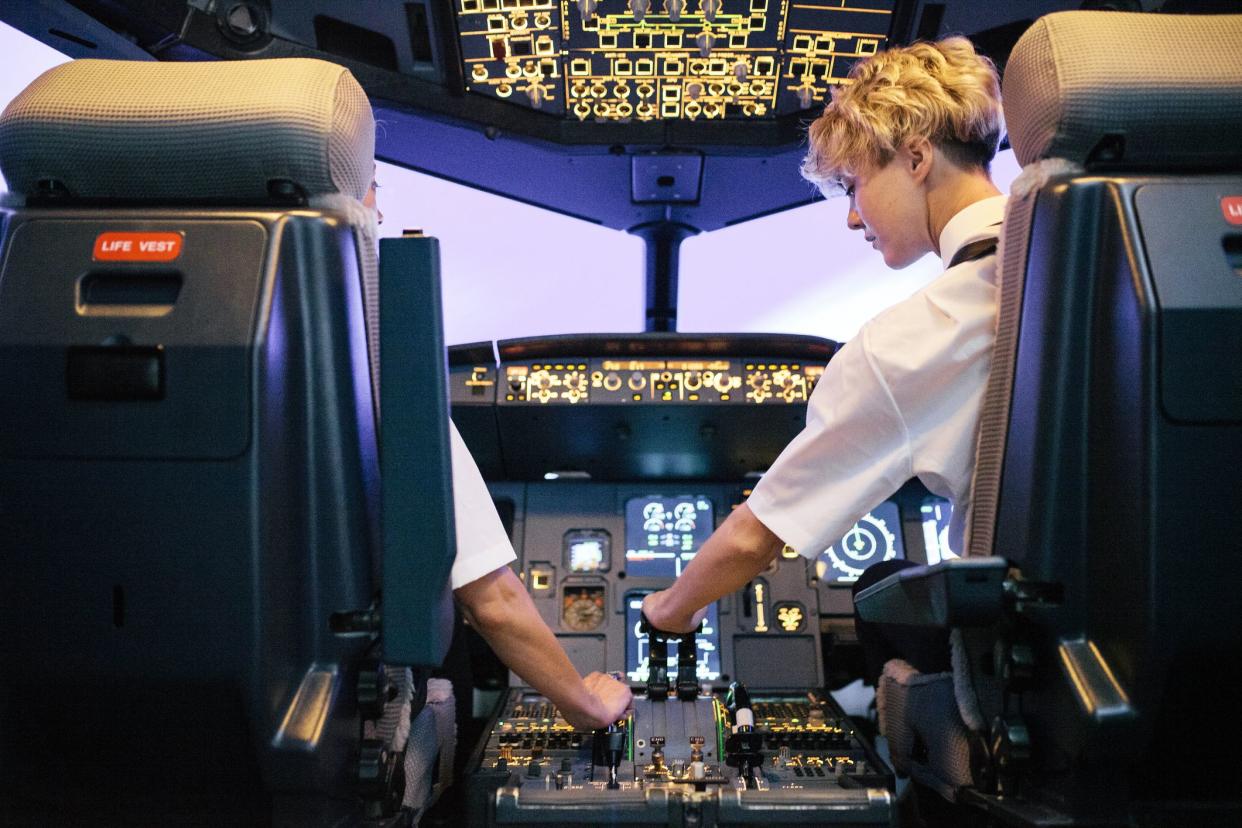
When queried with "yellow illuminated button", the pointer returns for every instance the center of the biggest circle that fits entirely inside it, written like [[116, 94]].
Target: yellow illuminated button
[[790, 616]]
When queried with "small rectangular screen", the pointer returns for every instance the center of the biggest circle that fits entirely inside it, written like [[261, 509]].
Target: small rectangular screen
[[662, 534], [587, 550], [637, 654]]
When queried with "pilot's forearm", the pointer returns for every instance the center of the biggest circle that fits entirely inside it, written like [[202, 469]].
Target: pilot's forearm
[[498, 606], [737, 551]]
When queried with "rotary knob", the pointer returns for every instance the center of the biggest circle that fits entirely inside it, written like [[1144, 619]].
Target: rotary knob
[[575, 386], [710, 9], [674, 9], [587, 9], [639, 9]]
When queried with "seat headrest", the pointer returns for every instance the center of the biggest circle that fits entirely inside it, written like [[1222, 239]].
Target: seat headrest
[[220, 130], [1148, 91]]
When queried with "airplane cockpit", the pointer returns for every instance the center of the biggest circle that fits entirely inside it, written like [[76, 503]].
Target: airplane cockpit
[[234, 411]]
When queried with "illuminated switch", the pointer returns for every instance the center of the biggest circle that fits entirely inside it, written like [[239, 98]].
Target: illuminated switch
[[541, 578], [790, 615], [704, 41]]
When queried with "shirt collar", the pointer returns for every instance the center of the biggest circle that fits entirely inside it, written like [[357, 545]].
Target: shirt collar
[[974, 222]]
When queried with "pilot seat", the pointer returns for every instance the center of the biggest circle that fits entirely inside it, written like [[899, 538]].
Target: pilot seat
[[1094, 621], [193, 531]]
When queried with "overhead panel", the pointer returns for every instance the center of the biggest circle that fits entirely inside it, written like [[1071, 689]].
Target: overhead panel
[[624, 60]]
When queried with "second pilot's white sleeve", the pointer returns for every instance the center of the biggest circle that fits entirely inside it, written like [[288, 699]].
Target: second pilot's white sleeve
[[483, 546]]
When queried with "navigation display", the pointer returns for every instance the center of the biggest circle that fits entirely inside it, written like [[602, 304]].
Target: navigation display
[[875, 537], [637, 656], [662, 534]]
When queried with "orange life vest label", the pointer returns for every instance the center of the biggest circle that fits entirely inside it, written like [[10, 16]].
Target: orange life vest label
[[137, 247], [1231, 206]]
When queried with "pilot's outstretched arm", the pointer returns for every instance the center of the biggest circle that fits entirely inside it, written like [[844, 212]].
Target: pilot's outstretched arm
[[496, 604], [736, 552]]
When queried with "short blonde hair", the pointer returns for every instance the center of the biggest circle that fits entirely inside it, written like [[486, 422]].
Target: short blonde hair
[[943, 91]]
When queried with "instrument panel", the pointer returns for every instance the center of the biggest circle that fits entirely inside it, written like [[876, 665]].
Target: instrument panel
[[623, 60], [737, 381], [801, 758]]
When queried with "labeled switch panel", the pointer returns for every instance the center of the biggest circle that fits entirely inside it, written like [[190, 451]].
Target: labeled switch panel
[[619, 60]]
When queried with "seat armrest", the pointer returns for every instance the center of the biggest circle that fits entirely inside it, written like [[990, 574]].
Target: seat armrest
[[965, 592]]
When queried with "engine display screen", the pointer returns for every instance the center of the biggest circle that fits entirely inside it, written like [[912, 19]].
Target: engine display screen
[[662, 534], [875, 537], [637, 661]]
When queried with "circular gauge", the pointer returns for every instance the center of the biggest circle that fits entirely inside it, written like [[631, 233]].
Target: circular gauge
[[583, 610], [868, 541], [653, 517]]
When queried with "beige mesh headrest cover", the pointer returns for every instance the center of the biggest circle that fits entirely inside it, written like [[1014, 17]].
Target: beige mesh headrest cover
[[171, 131], [1169, 85]]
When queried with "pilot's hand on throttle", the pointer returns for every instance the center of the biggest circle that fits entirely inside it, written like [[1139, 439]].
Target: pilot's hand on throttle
[[655, 607], [612, 700]]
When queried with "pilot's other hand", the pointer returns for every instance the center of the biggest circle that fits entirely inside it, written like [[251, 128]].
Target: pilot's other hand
[[612, 699], [662, 616]]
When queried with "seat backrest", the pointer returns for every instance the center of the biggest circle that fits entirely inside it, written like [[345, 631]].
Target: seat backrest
[[189, 464], [1112, 423]]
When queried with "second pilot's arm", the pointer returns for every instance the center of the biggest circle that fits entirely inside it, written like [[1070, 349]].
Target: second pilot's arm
[[496, 604]]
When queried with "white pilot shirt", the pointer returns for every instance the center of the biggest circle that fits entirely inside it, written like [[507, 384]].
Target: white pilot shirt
[[483, 546], [900, 400]]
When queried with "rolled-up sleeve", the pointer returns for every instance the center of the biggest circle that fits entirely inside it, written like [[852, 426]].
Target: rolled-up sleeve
[[853, 453], [482, 543]]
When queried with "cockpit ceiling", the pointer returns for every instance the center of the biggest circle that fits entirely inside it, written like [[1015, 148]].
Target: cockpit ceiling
[[741, 74]]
